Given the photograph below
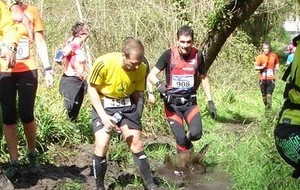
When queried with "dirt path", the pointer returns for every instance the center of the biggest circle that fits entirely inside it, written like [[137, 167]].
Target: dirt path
[[78, 167]]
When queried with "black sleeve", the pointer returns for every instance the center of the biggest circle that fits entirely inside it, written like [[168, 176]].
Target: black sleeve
[[163, 60], [201, 67], [147, 65]]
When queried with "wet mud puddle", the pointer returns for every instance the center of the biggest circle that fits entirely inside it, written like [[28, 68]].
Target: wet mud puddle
[[186, 171]]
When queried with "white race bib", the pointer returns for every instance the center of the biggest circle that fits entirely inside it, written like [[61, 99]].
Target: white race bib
[[182, 81], [268, 73], [111, 103], [23, 49]]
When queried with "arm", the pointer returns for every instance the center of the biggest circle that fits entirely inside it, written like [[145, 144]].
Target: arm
[[160, 85], [140, 104], [43, 54], [206, 87], [152, 77], [151, 97], [258, 65], [277, 64]]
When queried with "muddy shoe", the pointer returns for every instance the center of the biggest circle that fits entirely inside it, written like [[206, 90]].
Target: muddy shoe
[[13, 170], [34, 166]]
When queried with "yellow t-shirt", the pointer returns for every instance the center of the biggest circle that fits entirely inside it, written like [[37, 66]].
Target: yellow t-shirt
[[111, 80], [8, 33]]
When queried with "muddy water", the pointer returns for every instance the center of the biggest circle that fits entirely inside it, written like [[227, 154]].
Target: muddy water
[[187, 171], [194, 179]]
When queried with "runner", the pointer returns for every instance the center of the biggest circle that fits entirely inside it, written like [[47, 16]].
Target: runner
[[184, 68], [115, 83], [21, 79], [75, 67], [266, 63]]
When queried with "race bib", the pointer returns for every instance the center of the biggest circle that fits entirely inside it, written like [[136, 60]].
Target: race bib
[[112, 103], [23, 49], [268, 73], [182, 81]]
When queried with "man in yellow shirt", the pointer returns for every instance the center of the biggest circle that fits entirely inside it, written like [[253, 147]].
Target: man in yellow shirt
[[115, 83]]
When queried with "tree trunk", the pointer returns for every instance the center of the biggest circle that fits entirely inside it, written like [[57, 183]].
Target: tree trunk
[[232, 15]]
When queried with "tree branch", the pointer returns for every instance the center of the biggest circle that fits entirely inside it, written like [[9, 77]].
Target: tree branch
[[232, 15]]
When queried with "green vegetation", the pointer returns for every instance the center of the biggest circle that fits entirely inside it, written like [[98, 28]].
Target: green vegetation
[[241, 139]]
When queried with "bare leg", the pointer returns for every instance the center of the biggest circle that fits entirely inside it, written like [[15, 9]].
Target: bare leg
[[134, 141], [10, 132], [30, 133]]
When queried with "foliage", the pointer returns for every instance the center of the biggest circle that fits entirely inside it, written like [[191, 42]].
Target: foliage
[[72, 185], [263, 25], [249, 156]]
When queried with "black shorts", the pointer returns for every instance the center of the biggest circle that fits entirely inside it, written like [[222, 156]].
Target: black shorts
[[130, 117], [287, 141], [267, 86], [25, 85]]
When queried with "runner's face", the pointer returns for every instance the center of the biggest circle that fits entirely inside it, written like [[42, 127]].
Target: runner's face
[[185, 44], [131, 63], [266, 49], [85, 32]]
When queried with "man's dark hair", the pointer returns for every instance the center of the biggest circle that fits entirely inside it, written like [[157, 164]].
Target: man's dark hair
[[186, 31]]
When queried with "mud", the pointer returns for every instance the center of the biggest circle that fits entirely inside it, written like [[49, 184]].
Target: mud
[[184, 172]]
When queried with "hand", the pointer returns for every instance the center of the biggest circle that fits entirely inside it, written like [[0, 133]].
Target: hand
[[107, 122], [161, 86], [10, 58], [151, 98], [212, 109], [49, 78]]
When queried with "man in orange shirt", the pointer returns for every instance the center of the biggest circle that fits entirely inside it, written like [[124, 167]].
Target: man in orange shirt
[[21, 79], [266, 64]]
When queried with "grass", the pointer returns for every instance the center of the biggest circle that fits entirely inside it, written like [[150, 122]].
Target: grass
[[247, 153]]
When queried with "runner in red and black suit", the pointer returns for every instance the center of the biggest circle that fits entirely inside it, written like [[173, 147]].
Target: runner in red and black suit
[[184, 70]]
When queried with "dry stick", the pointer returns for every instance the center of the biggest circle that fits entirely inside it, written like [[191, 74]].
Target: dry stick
[[85, 44], [41, 8]]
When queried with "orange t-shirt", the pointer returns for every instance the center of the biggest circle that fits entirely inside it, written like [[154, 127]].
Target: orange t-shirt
[[271, 60], [26, 51]]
